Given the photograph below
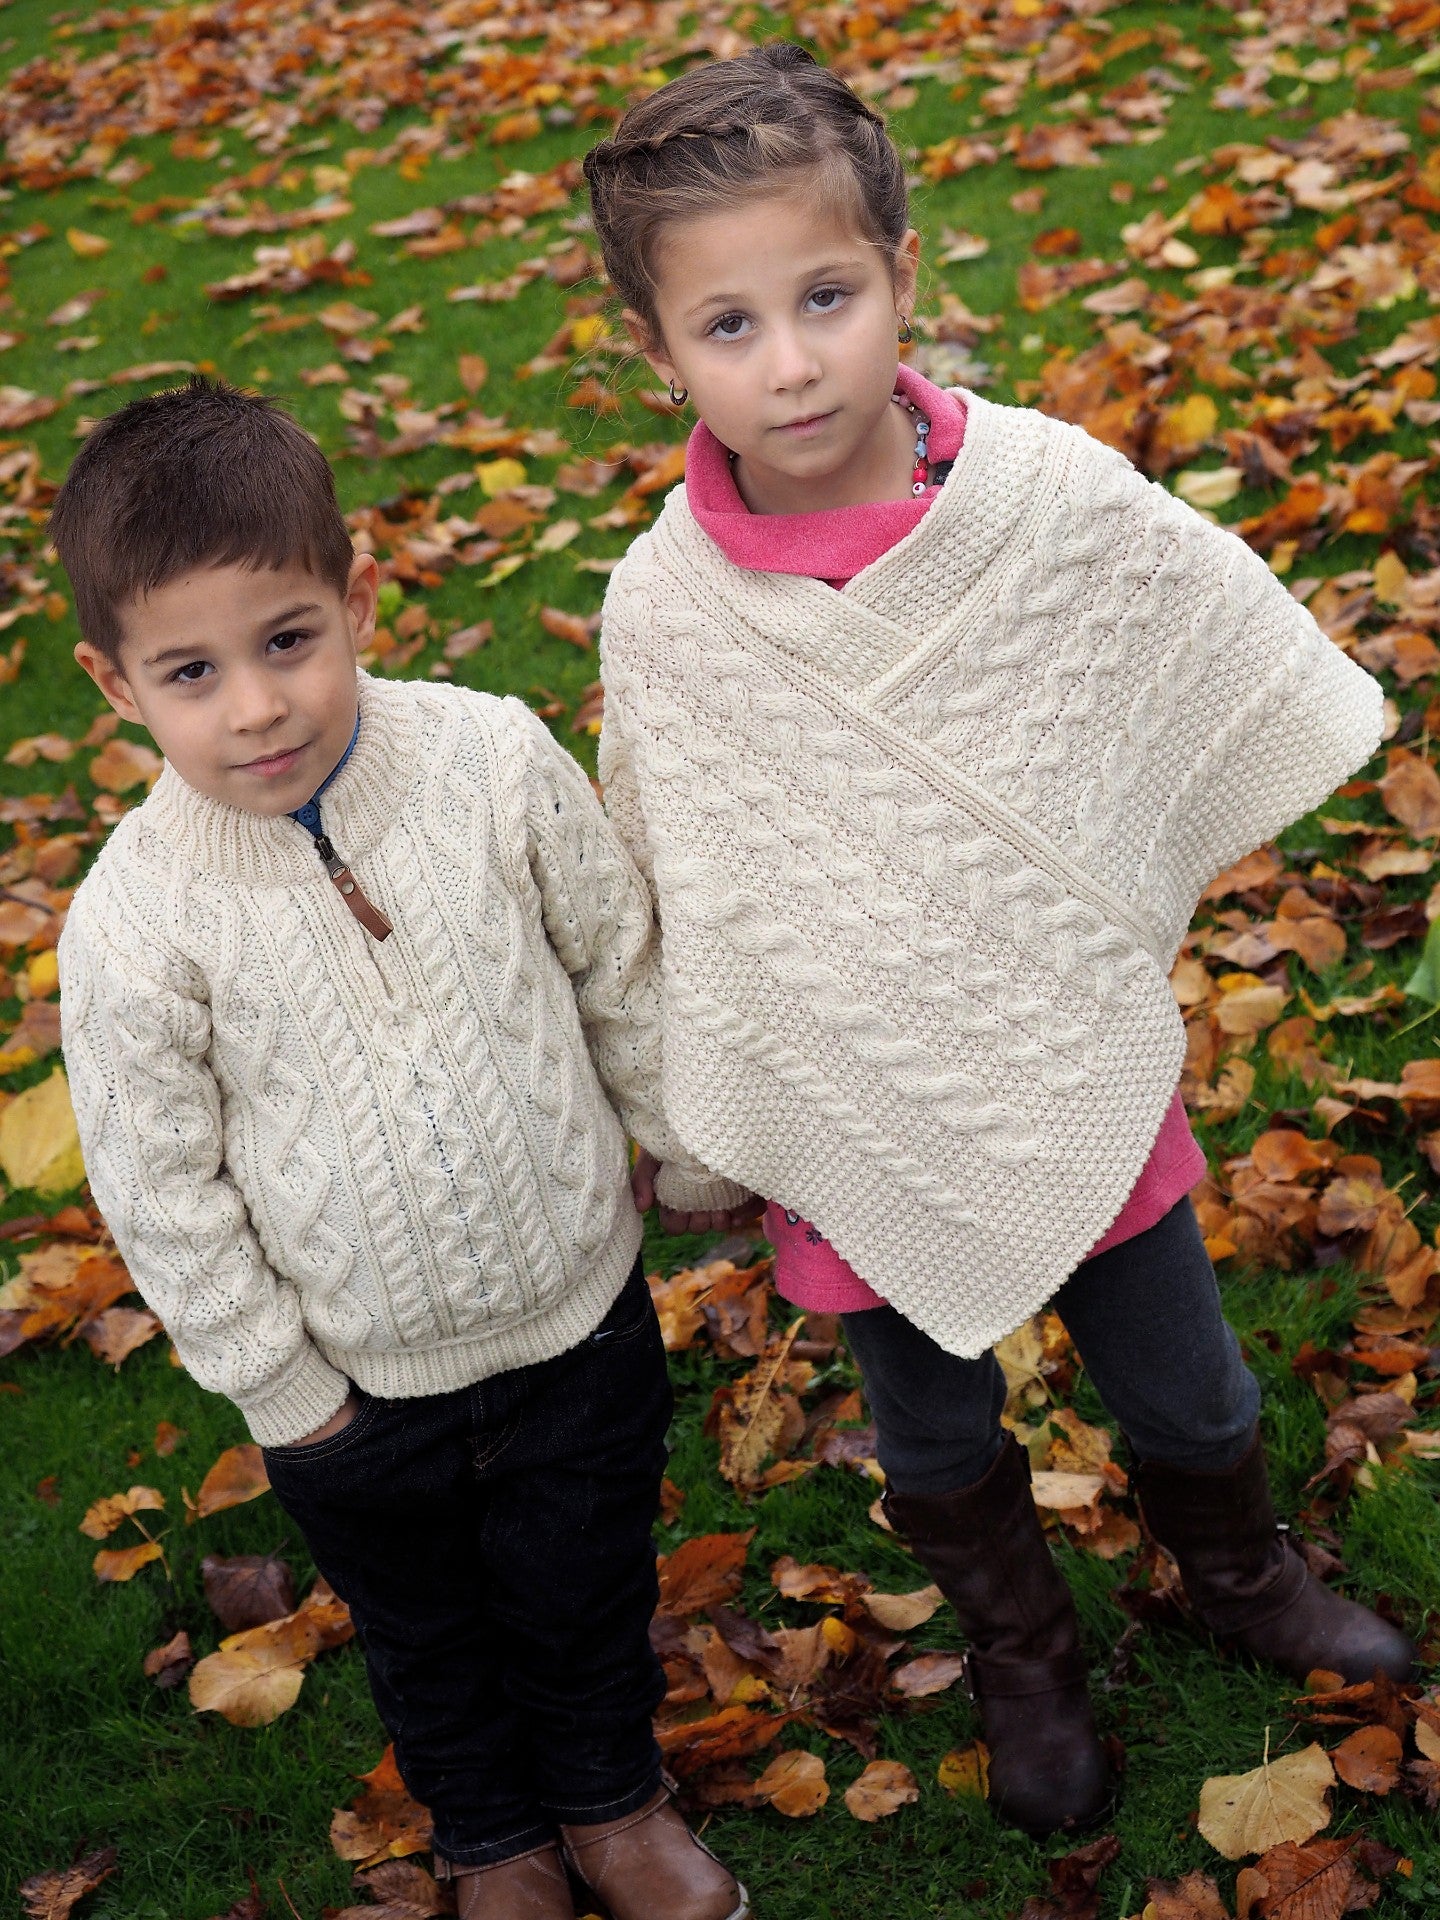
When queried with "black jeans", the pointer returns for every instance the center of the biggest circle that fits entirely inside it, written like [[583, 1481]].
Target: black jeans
[[1145, 1318], [494, 1547]]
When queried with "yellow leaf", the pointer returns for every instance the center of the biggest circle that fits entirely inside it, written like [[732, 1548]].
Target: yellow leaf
[[89, 246], [966, 1771], [39, 1142], [248, 1686], [42, 974], [1391, 579], [123, 1563], [1279, 1800], [498, 476], [903, 1612], [795, 1784], [237, 1476], [585, 331]]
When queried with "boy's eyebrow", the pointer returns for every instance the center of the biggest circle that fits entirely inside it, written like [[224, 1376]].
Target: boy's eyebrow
[[280, 619], [821, 272]]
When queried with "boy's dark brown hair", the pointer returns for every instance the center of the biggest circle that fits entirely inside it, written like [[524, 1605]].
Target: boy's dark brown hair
[[768, 120], [202, 475]]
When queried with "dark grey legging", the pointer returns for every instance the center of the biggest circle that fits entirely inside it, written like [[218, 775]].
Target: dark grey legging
[[1145, 1317]]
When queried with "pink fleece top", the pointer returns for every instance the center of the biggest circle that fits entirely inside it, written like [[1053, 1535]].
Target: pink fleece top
[[834, 545]]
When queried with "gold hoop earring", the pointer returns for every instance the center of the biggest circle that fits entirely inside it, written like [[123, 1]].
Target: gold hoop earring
[[678, 399], [907, 333]]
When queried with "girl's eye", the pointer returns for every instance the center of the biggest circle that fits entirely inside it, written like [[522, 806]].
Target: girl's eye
[[729, 325], [288, 641], [192, 673], [827, 299]]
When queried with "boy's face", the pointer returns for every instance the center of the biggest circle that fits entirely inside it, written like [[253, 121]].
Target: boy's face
[[244, 678]]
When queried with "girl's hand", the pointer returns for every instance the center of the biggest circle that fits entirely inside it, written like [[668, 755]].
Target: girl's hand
[[338, 1420], [718, 1220]]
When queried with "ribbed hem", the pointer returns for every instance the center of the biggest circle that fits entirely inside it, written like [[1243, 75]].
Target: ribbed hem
[[697, 1193], [413, 1373], [310, 1394]]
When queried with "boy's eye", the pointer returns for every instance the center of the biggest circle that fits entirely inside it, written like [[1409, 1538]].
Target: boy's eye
[[191, 672], [288, 641]]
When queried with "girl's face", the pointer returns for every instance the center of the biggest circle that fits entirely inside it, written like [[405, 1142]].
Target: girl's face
[[781, 320]]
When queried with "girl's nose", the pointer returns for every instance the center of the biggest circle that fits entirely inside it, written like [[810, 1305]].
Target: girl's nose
[[792, 361]]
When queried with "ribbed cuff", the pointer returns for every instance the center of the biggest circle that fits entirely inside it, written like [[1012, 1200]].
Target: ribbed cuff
[[696, 1192], [311, 1392]]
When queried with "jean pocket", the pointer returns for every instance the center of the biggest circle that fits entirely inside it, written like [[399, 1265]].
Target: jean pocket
[[327, 1449], [632, 1311]]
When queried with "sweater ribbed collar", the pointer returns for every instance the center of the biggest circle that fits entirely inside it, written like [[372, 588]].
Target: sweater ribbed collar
[[260, 849]]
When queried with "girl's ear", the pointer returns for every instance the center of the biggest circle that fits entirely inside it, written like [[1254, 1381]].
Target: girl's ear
[[906, 273], [649, 345]]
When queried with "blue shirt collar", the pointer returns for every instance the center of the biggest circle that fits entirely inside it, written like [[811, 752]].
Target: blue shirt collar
[[309, 814]]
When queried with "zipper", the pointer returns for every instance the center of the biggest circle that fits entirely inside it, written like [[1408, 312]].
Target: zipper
[[351, 892]]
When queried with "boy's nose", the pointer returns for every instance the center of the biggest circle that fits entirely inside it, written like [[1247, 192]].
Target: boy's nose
[[257, 702]]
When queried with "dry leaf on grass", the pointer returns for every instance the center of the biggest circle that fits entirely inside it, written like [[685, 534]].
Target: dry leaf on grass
[[966, 1771], [237, 1476], [882, 1789], [39, 1141], [903, 1612], [929, 1673], [1369, 1759], [256, 1675], [795, 1784], [248, 1589], [53, 1895], [402, 1890], [1196, 1897], [103, 1516], [383, 1822], [167, 1666], [703, 1572], [113, 1565], [1280, 1800]]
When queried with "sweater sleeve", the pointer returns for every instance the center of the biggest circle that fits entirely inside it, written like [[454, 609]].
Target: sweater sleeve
[[599, 916], [149, 1115]]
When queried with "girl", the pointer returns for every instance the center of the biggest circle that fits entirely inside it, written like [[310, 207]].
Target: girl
[[928, 720]]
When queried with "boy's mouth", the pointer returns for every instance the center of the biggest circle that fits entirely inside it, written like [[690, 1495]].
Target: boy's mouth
[[272, 764]]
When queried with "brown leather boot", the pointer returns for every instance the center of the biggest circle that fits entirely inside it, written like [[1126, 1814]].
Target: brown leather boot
[[986, 1550], [649, 1866], [532, 1886], [1247, 1581]]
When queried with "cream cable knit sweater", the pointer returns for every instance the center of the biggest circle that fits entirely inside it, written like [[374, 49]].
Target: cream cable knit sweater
[[924, 848], [326, 1159]]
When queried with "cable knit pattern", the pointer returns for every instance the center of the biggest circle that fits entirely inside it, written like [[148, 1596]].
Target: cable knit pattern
[[326, 1159], [924, 848]]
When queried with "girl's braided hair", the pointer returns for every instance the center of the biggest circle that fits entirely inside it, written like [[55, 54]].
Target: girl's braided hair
[[759, 123]]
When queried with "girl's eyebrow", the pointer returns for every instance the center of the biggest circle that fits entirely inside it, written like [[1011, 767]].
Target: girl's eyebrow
[[823, 271]]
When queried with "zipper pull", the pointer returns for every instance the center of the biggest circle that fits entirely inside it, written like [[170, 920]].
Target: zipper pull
[[353, 894]]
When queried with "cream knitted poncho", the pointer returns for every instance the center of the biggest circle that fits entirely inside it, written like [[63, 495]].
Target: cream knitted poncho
[[327, 1159], [924, 848]]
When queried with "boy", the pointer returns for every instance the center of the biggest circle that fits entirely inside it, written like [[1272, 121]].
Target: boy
[[343, 1004]]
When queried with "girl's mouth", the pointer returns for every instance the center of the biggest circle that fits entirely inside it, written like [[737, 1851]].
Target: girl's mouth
[[811, 424]]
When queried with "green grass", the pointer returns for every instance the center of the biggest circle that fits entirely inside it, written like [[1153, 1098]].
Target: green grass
[[92, 1753]]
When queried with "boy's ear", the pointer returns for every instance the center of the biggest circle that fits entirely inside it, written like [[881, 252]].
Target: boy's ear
[[107, 676], [360, 595], [650, 346]]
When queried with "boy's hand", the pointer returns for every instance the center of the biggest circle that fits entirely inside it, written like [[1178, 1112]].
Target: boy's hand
[[338, 1420], [642, 1180]]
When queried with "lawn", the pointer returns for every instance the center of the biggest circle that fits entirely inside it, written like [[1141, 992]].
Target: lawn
[[1210, 235]]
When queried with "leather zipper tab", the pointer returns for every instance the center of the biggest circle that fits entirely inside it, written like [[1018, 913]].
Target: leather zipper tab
[[351, 892]]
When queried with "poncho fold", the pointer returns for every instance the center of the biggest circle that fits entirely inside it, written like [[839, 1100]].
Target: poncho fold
[[924, 849]]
